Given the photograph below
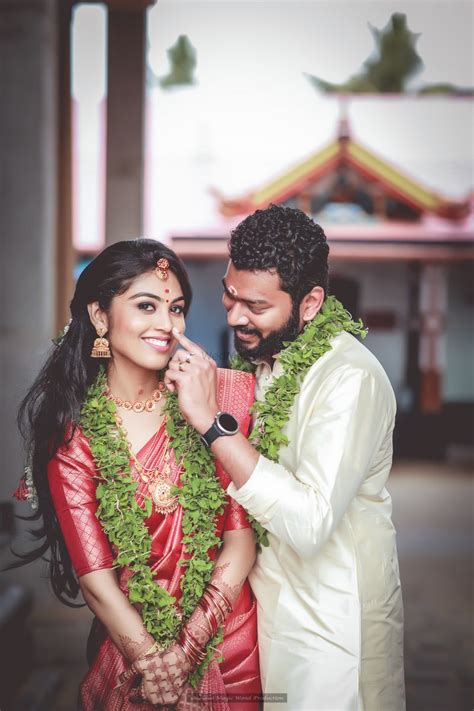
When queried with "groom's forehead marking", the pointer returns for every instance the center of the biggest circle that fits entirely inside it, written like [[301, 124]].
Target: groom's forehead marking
[[232, 292]]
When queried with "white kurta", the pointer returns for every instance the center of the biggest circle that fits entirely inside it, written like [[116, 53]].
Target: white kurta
[[330, 616]]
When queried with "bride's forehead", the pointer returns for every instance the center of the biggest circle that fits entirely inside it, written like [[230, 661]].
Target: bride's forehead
[[150, 282]]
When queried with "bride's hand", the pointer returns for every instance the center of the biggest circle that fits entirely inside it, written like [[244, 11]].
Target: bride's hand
[[193, 374], [190, 700], [164, 675]]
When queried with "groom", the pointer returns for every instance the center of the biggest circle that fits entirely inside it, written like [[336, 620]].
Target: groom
[[330, 619]]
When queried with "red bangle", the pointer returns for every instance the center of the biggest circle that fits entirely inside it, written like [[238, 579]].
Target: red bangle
[[215, 606], [190, 647], [210, 615], [214, 590]]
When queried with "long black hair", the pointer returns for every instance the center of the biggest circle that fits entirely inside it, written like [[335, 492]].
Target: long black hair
[[51, 409]]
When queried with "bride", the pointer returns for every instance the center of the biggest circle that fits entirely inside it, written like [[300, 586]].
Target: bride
[[133, 509]]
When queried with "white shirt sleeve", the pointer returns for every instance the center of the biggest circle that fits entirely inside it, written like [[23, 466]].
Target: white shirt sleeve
[[348, 427]]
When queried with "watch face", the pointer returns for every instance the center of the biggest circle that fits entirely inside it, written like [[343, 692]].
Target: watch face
[[228, 423]]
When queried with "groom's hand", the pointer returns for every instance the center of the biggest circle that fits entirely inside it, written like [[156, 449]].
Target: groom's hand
[[193, 375]]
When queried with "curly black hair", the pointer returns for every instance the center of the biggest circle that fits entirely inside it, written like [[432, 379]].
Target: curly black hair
[[287, 240]]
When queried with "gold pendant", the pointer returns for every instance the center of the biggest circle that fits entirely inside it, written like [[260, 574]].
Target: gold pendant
[[160, 491]]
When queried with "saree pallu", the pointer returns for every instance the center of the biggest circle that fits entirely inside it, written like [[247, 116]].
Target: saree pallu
[[234, 683]]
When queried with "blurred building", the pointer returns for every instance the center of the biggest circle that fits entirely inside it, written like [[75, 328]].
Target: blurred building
[[401, 259]]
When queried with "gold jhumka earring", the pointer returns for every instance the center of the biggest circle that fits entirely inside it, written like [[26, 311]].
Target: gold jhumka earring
[[100, 349]]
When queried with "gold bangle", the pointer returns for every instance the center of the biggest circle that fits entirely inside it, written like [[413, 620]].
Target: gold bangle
[[127, 674], [154, 649]]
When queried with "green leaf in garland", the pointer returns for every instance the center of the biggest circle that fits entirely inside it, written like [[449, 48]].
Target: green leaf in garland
[[148, 506]]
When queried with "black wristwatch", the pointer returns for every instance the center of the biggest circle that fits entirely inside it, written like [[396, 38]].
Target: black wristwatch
[[224, 425]]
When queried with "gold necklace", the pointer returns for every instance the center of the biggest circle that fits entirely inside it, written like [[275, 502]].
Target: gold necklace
[[159, 483], [138, 406]]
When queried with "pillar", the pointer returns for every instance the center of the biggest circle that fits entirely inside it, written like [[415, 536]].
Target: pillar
[[433, 301], [65, 255], [28, 205], [412, 367], [125, 119]]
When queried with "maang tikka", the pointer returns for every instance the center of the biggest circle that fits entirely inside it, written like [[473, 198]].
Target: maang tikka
[[161, 269], [100, 349]]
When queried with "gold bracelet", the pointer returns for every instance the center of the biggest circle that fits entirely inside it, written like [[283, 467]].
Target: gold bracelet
[[127, 674], [154, 649]]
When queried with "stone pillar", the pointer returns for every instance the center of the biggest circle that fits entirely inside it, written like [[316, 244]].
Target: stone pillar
[[412, 363], [125, 119], [28, 207], [65, 254]]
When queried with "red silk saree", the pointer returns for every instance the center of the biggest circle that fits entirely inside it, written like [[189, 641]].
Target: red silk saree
[[72, 479]]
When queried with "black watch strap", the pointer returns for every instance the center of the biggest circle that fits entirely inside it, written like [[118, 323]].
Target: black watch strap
[[211, 435], [224, 425]]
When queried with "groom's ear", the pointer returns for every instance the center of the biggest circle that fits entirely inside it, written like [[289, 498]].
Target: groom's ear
[[311, 304]]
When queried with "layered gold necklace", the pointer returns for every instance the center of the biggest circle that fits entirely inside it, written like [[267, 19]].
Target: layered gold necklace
[[158, 481], [160, 486]]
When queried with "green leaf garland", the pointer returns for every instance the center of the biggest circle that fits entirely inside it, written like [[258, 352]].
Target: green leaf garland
[[124, 520], [273, 412]]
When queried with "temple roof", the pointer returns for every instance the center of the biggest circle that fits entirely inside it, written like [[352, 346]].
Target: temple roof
[[345, 152]]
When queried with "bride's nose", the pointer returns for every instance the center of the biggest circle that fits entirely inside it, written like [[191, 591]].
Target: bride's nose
[[163, 319]]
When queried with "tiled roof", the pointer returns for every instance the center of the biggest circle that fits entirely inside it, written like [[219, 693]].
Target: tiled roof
[[345, 151]]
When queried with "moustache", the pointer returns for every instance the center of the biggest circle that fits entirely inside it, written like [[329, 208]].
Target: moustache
[[247, 331]]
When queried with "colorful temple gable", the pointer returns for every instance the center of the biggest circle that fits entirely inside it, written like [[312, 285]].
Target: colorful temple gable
[[345, 171]]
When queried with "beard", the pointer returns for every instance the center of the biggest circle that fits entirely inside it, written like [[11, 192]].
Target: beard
[[273, 343]]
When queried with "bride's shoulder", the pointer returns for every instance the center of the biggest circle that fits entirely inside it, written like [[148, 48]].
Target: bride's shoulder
[[235, 391], [235, 378], [74, 441]]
